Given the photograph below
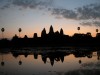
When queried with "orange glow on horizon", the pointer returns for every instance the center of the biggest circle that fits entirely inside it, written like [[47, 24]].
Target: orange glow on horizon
[[30, 31]]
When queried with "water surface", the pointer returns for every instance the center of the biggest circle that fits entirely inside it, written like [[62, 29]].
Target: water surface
[[50, 61]]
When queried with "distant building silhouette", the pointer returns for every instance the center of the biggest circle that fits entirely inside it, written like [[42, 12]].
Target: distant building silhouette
[[52, 38], [61, 32], [98, 35], [25, 37], [57, 33], [43, 33], [15, 37], [88, 33], [51, 31], [35, 35]]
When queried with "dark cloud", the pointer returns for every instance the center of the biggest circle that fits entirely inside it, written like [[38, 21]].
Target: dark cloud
[[33, 3], [69, 14], [91, 11], [86, 23], [28, 3], [5, 6], [87, 12], [93, 23], [96, 23]]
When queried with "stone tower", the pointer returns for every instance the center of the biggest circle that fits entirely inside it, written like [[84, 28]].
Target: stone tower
[[51, 31]]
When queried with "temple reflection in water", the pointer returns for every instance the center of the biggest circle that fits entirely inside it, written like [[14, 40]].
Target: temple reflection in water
[[49, 60], [53, 54]]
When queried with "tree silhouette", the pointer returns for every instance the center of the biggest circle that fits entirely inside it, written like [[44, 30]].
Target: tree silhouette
[[2, 30], [20, 62], [80, 61], [2, 62], [19, 31], [78, 28], [97, 30]]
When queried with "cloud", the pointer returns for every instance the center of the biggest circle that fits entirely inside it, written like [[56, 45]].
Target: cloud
[[65, 13], [91, 11], [86, 23], [33, 3], [88, 15], [86, 12], [96, 23], [28, 3], [93, 23], [5, 4]]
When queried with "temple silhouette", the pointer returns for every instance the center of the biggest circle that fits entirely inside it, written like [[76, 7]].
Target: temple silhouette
[[52, 39]]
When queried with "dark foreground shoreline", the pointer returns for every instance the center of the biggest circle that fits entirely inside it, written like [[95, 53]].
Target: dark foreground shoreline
[[21, 42]]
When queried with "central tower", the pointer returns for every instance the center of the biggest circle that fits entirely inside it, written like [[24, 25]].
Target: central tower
[[51, 31]]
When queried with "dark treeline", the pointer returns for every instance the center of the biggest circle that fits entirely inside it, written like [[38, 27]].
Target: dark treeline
[[52, 39]]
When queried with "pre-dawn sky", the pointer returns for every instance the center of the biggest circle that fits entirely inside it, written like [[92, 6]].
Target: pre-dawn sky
[[33, 15]]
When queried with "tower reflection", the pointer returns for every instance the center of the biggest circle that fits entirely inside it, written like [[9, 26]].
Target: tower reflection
[[52, 55], [2, 62], [55, 55]]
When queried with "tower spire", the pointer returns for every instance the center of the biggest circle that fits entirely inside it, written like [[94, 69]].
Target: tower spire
[[51, 31], [61, 31], [43, 33]]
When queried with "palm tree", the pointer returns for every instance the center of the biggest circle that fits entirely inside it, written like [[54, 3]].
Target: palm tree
[[78, 28], [2, 30], [80, 61], [2, 62], [20, 62], [97, 30], [19, 31]]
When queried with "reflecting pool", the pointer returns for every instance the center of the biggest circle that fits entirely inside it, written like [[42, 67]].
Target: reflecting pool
[[50, 61]]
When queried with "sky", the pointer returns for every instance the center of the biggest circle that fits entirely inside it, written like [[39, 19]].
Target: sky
[[34, 15]]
